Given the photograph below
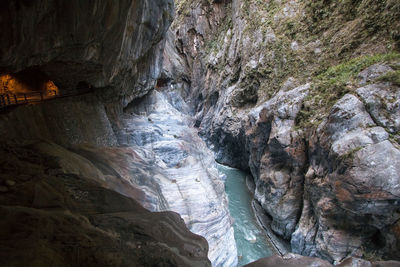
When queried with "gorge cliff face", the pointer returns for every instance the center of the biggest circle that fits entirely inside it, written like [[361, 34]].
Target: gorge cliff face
[[112, 45], [58, 211], [98, 157], [304, 95]]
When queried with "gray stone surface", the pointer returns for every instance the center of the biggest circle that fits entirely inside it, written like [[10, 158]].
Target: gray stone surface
[[371, 73], [295, 260], [157, 159], [382, 101], [352, 194], [117, 48], [66, 121], [331, 192], [187, 175], [64, 217], [112, 45], [289, 260], [277, 158]]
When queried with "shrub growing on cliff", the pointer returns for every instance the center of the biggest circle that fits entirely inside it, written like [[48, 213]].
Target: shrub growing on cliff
[[393, 77], [334, 83]]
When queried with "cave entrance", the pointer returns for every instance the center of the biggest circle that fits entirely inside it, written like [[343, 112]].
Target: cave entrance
[[162, 82], [29, 85]]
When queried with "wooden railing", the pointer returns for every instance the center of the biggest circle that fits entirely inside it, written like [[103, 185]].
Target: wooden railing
[[8, 100], [23, 98]]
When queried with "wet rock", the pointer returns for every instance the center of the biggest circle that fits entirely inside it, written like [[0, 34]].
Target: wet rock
[[250, 184]]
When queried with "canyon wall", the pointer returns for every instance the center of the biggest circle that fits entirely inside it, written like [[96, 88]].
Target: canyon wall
[[57, 210], [121, 135], [304, 95], [114, 46]]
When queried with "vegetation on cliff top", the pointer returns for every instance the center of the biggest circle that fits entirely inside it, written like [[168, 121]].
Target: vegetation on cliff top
[[393, 77], [315, 35], [326, 42], [335, 82]]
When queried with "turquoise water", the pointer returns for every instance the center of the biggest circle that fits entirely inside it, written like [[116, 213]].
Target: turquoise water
[[250, 240]]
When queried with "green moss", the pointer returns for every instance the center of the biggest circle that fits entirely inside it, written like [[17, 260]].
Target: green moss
[[342, 29], [182, 8], [353, 67], [334, 83], [349, 155], [393, 77], [216, 42], [247, 95]]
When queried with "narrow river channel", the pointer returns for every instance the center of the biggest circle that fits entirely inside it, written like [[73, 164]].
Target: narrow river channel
[[250, 240]]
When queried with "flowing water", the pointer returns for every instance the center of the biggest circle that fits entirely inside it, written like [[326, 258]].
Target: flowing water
[[250, 240]]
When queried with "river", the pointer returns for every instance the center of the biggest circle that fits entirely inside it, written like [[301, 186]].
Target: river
[[250, 239]]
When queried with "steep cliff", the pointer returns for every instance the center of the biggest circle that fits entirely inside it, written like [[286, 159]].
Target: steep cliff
[[78, 169], [127, 138], [305, 95], [114, 46]]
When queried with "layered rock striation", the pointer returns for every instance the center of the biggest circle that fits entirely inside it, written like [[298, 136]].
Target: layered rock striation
[[53, 216], [296, 260], [274, 92], [103, 154], [183, 168], [269, 85], [116, 46]]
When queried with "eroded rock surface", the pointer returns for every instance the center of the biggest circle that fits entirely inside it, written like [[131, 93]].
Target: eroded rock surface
[[184, 169], [55, 217], [294, 260], [278, 158], [107, 159], [111, 45], [254, 70], [332, 193], [352, 186], [66, 121], [150, 154]]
